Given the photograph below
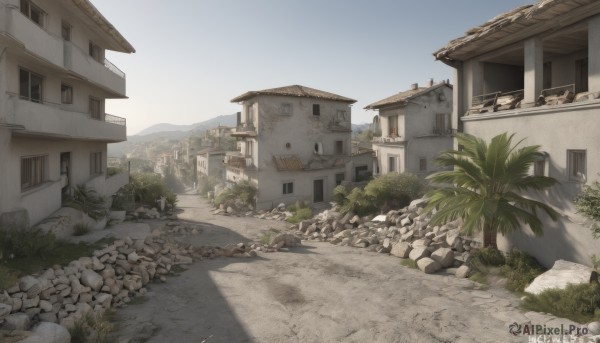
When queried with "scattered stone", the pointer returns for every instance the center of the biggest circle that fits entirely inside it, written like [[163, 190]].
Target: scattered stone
[[444, 256], [401, 250], [463, 271], [560, 275], [428, 265]]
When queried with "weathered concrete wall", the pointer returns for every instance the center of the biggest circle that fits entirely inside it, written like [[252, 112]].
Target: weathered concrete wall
[[501, 77], [556, 129]]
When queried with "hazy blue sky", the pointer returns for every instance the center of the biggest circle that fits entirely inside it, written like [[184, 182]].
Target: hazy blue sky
[[194, 56]]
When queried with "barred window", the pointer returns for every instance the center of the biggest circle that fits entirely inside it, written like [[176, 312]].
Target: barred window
[[34, 171], [96, 163], [576, 160]]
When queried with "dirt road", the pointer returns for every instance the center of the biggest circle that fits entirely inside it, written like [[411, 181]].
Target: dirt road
[[315, 293]]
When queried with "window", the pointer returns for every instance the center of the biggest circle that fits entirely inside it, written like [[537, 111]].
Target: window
[[339, 177], [422, 164], [95, 52], [30, 86], [34, 171], [539, 166], [95, 111], [318, 148], [286, 109], [249, 148], [66, 94], [393, 126], [576, 164], [316, 110], [66, 31], [440, 123], [288, 188], [339, 147], [32, 12], [391, 164], [341, 116], [96, 163]]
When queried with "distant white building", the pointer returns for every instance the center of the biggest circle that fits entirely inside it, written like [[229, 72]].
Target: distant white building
[[295, 144], [414, 126], [209, 162], [54, 80]]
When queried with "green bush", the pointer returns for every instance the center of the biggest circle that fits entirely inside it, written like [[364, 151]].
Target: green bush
[[110, 171], [147, 188], [339, 195], [394, 190], [520, 269], [360, 203], [488, 257], [580, 303], [300, 215], [89, 202], [244, 191], [26, 243], [297, 206], [206, 184], [588, 203]]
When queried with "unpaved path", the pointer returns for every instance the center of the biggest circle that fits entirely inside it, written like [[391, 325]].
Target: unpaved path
[[315, 293]]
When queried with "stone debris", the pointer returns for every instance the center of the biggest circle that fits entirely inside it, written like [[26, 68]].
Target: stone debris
[[560, 275]]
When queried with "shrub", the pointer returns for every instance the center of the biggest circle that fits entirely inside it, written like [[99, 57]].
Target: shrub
[[26, 243], [80, 229], [89, 202], [110, 171], [588, 203], [149, 187], [297, 206], [488, 257], [244, 191], [206, 184], [394, 190], [580, 303], [520, 269], [339, 195], [359, 202], [300, 215]]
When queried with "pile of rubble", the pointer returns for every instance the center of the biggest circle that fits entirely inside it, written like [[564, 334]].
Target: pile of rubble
[[404, 233], [111, 277], [279, 213]]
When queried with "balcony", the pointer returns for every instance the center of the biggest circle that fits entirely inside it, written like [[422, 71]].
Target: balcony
[[48, 119], [105, 75], [237, 160], [339, 126], [390, 140], [245, 130], [14, 26], [443, 131]]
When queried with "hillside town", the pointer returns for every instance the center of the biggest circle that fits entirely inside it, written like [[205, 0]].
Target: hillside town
[[464, 210]]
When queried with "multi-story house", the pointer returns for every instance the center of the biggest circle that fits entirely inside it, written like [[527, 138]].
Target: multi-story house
[[414, 127], [535, 72], [295, 144], [210, 163], [54, 80]]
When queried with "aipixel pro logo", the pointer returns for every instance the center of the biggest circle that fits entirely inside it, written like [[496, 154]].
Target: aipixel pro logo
[[517, 329]]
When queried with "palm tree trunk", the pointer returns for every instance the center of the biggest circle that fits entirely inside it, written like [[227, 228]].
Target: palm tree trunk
[[489, 236]]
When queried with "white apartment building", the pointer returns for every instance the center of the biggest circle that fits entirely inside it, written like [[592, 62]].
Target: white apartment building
[[54, 81], [535, 71], [295, 144], [415, 126]]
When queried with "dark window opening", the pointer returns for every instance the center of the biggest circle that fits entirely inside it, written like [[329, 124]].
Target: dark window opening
[[30, 86], [316, 110]]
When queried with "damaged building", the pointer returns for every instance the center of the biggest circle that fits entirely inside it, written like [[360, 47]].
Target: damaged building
[[535, 72]]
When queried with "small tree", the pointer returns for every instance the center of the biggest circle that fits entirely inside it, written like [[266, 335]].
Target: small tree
[[394, 190], [484, 187], [588, 203]]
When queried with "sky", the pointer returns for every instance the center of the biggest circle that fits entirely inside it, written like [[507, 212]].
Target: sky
[[193, 56]]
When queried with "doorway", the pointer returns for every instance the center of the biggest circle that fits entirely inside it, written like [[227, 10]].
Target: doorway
[[65, 175], [318, 191]]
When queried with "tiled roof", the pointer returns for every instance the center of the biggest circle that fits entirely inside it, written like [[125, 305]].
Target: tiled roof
[[295, 90], [288, 163], [403, 97]]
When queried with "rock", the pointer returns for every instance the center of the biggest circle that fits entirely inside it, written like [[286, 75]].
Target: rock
[[562, 274], [401, 250], [380, 218], [133, 257], [16, 321], [418, 253], [48, 317], [289, 240], [463, 271], [45, 305], [418, 203], [428, 266], [451, 236], [49, 333], [5, 310], [30, 285], [594, 328], [91, 279], [444, 256], [405, 222]]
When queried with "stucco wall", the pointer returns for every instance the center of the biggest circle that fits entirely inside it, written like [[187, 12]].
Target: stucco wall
[[571, 126]]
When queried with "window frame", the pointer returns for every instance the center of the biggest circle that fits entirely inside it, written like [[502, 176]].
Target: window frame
[[65, 31], [95, 52], [286, 109], [287, 188], [339, 178], [31, 7], [68, 100], [392, 167], [36, 176], [422, 164], [28, 96], [316, 110], [91, 108], [96, 165], [572, 163]]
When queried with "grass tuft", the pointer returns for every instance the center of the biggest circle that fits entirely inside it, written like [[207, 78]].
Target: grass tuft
[[407, 262], [580, 303]]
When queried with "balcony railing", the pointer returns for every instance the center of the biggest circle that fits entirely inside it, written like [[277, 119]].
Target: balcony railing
[[245, 129], [443, 131], [108, 64], [109, 118], [388, 140], [497, 101]]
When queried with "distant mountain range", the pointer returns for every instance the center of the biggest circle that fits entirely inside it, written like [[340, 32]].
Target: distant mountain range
[[178, 132]]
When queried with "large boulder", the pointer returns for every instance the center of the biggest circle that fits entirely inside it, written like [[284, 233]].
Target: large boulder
[[288, 239], [562, 274], [428, 265], [47, 332], [401, 250], [463, 271], [92, 279], [418, 253], [444, 256], [16, 321]]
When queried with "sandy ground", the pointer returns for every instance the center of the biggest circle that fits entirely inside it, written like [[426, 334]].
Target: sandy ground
[[314, 293]]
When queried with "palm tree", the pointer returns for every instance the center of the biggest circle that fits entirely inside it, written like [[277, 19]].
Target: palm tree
[[486, 181]]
